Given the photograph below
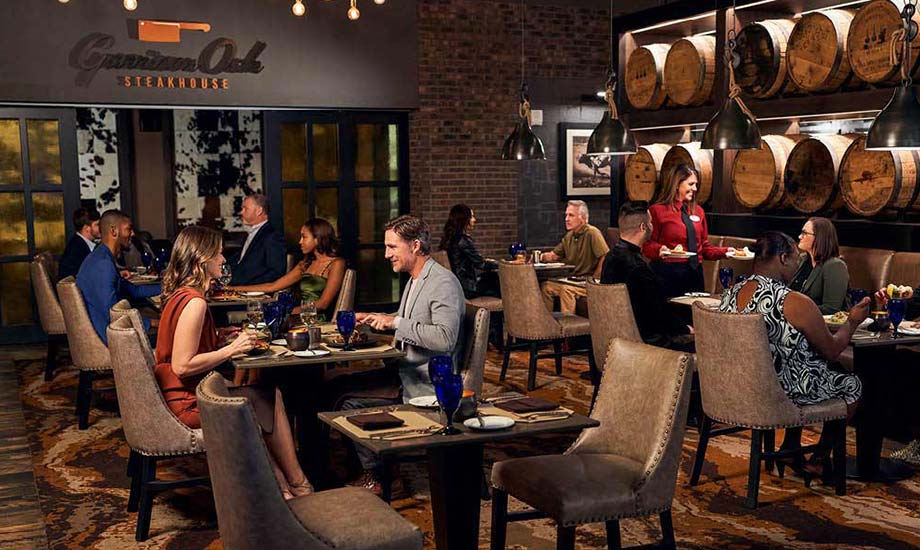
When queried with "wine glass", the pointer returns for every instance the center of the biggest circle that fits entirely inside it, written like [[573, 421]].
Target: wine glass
[[254, 313], [225, 274], [896, 309], [448, 387], [345, 321], [726, 274], [308, 312]]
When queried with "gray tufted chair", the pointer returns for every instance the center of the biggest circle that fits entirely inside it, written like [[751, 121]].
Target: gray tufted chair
[[152, 430], [739, 387], [49, 308], [251, 512], [527, 320], [625, 468]]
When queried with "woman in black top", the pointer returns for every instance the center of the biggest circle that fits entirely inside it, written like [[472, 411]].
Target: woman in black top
[[465, 261]]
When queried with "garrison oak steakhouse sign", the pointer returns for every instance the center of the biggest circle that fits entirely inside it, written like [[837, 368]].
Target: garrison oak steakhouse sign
[[96, 53]]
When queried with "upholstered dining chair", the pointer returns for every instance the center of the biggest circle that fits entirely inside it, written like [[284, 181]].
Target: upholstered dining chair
[[492, 304], [251, 512], [90, 356], [152, 430], [49, 309], [441, 257], [346, 299], [527, 320], [611, 317], [625, 468], [739, 388]]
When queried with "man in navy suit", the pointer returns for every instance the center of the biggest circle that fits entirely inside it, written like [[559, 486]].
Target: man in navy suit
[[263, 258], [86, 225]]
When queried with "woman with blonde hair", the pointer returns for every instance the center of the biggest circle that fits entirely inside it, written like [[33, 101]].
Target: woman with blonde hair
[[680, 236], [188, 347]]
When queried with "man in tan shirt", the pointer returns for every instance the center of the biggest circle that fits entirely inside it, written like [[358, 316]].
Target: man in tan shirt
[[583, 247]]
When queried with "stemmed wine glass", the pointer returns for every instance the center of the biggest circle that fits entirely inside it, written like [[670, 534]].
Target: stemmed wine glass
[[726, 274], [896, 309], [308, 312], [345, 321], [254, 313], [448, 387], [225, 274]]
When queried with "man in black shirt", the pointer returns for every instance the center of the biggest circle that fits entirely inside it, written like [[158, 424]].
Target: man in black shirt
[[658, 324]]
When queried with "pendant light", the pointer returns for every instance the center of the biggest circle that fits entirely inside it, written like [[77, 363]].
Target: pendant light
[[611, 136], [734, 126], [523, 144], [898, 125]]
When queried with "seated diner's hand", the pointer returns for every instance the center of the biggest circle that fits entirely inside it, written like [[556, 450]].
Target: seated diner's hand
[[380, 321], [243, 343], [226, 333], [859, 312], [548, 257], [881, 296], [125, 274]]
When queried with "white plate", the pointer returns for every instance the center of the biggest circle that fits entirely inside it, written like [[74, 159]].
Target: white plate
[[489, 423], [425, 402], [279, 342], [911, 328], [672, 254], [310, 353], [745, 258], [252, 294], [549, 264], [866, 322], [697, 294]]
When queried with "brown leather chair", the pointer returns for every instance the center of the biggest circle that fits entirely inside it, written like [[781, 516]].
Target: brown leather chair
[[152, 430], [904, 269], [251, 512], [346, 299], [441, 257], [528, 320], [739, 388], [89, 354], [49, 309], [868, 267], [625, 468]]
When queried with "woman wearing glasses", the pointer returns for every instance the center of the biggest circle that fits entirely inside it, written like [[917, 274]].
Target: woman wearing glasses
[[822, 275]]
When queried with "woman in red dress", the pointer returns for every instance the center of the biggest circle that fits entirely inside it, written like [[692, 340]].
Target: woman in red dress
[[678, 221], [188, 347]]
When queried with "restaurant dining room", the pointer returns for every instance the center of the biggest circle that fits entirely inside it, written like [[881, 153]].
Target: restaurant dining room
[[459, 274]]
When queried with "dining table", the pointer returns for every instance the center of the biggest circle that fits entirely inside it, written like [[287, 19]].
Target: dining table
[[455, 462]]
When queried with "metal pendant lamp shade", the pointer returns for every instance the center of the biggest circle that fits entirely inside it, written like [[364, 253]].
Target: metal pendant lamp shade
[[611, 137], [898, 125], [733, 127], [523, 144]]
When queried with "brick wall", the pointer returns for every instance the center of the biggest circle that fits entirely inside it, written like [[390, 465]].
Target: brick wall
[[469, 74]]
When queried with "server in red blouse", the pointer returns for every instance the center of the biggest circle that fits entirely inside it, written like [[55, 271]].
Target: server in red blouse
[[680, 238]]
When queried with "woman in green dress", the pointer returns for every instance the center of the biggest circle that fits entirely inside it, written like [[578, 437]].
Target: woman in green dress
[[822, 275], [319, 275]]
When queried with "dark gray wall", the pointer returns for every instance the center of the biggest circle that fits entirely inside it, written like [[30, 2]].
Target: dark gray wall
[[540, 202], [321, 60]]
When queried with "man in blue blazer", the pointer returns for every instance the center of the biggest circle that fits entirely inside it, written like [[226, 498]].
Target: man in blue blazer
[[86, 225], [263, 257]]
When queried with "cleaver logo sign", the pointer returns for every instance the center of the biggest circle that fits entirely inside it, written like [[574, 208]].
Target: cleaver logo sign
[[96, 53]]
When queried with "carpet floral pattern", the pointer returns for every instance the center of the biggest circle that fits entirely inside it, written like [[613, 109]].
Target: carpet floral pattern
[[84, 489]]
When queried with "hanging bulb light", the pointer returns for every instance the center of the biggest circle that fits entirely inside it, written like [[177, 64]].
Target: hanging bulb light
[[380, 2], [611, 136], [63, 1], [130, 5], [523, 144], [298, 8], [734, 125], [353, 12], [896, 127]]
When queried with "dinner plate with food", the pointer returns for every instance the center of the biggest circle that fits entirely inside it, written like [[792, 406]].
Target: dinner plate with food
[[252, 294], [224, 294], [358, 340], [909, 328], [740, 254], [676, 252], [840, 318]]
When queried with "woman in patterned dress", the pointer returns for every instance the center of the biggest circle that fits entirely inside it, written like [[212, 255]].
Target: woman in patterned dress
[[800, 342]]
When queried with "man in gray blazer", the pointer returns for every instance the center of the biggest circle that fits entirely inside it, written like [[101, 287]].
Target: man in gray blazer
[[428, 322]]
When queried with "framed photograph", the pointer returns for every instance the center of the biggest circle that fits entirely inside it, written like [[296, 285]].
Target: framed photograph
[[579, 174]]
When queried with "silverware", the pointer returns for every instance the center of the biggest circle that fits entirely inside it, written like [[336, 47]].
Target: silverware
[[502, 399], [547, 414], [393, 434], [392, 408]]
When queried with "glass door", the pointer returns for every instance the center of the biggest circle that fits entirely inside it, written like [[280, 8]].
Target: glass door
[[39, 187], [350, 169]]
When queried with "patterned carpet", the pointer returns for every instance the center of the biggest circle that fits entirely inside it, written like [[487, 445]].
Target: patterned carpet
[[83, 486]]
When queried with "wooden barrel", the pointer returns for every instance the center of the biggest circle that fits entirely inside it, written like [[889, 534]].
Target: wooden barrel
[[811, 173], [645, 76], [689, 70], [643, 170], [872, 181], [762, 47], [757, 175], [817, 50], [869, 42], [692, 155]]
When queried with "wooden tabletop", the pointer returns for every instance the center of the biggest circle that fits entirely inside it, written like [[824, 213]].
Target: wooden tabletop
[[576, 422], [156, 301], [579, 282], [865, 339], [336, 356]]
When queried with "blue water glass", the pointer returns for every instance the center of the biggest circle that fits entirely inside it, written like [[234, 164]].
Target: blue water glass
[[272, 313], [146, 257], [856, 295], [440, 366], [345, 322], [726, 274], [740, 279], [449, 390], [896, 309], [286, 299], [160, 260]]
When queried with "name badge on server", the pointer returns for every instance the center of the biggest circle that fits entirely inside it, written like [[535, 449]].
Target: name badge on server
[[694, 218]]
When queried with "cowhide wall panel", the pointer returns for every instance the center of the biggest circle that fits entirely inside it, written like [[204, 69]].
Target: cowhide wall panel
[[97, 150], [218, 161]]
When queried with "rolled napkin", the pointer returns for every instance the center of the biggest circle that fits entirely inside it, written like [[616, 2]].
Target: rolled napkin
[[526, 405], [375, 421]]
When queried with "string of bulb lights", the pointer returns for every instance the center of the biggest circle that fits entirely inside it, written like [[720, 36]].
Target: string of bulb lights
[[299, 8]]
